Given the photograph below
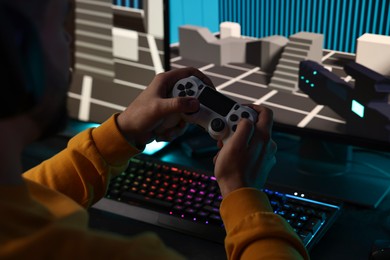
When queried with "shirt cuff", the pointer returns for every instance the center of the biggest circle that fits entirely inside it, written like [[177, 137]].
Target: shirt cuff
[[111, 144], [243, 202]]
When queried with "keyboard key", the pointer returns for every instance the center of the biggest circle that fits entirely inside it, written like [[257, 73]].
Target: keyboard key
[[191, 195]]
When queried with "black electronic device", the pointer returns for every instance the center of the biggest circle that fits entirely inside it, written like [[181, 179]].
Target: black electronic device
[[331, 151], [218, 114], [187, 200]]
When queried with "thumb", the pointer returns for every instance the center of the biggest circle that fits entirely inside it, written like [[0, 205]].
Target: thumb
[[180, 105]]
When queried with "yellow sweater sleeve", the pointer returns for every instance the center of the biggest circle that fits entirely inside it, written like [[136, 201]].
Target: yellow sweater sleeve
[[39, 223], [44, 218], [82, 171], [253, 231]]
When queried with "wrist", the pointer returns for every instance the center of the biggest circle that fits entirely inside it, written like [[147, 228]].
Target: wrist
[[228, 186], [132, 137]]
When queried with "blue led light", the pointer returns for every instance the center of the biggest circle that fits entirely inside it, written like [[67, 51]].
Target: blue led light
[[315, 72], [302, 77], [337, 26], [382, 17], [375, 17], [307, 81], [154, 147], [342, 28], [312, 201], [312, 85], [357, 108]]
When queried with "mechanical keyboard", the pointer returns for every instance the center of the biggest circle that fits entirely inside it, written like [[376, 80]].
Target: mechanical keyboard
[[187, 200]]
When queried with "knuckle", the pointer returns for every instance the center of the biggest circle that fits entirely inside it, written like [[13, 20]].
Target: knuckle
[[267, 111]]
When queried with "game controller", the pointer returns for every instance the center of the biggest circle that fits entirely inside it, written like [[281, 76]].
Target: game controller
[[218, 114]]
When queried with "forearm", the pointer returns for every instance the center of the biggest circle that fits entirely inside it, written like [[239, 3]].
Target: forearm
[[254, 231], [83, 169]]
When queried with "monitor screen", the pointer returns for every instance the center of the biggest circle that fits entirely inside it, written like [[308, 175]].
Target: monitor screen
[[119, 46], [321, 66], [252, 51]]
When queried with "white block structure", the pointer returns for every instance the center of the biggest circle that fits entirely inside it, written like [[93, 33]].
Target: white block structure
[[125, 44], [229, 29], [154, 18], [373, 51]]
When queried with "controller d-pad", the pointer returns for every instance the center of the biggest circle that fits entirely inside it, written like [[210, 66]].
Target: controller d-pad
[[182, 94], [234, 128], [200, 86], [233, 117], [236, 107], [190, 92], [245, 114], [188, 85], [217, 124], [180, 87]]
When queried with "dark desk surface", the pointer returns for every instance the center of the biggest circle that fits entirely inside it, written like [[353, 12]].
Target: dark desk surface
[[350, 237]]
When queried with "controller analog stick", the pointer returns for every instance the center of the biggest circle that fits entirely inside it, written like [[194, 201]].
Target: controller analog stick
[[217, 125], [245, 114]]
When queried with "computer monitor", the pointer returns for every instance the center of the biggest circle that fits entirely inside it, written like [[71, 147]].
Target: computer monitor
[[118, 48], [289, 55]]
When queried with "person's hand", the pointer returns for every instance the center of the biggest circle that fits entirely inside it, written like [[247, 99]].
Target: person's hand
[[154, 115], [246, 159]]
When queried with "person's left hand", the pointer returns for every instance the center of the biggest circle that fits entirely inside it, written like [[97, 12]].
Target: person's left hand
[[154, 114]]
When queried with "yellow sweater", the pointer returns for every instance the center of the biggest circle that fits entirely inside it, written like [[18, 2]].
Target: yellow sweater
[[45, 218]]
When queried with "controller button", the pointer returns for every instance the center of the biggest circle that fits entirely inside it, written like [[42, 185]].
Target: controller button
[[182, 94], [190, 92], [200, 86], [217, 125], [180, 87], [189, 85], [236, 107], [233, 118], [234, 128], [245, 114]]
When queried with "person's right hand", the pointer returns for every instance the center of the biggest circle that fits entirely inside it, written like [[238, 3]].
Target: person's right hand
[[246, 159]]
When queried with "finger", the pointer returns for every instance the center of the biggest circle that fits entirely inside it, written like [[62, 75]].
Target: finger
[[187, 72], [178, 105], [215, 158], [265, 116], [263, 125], [243, 134]]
